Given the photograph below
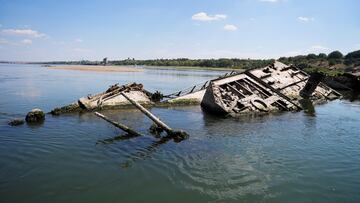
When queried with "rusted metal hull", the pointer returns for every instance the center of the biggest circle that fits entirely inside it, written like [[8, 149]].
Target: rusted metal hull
[[273, 88]]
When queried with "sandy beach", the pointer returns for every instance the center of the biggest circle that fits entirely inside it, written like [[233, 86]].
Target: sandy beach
[[97, 68]]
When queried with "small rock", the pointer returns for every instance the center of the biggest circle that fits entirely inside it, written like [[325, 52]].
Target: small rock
[[16, 122], [35, 115]]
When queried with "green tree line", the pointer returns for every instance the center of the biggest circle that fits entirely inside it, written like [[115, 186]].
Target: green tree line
[[210, 63], [322, 60]]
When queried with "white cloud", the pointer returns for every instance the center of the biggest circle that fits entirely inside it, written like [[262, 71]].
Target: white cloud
[[305, 19], [26, 41], [229, 27], [79, 40], [202, 16], [82, 50], [23, 32], [270, 1], [319, 48], [3, 41], [58, 42]]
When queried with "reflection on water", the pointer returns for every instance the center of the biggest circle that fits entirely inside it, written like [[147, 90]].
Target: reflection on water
[[141, 153], [116, 139], [307, 156]]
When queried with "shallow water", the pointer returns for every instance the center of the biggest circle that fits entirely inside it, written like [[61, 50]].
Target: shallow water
[[287, 157]]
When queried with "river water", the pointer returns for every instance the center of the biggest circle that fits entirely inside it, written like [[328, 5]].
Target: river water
[[287, 157]]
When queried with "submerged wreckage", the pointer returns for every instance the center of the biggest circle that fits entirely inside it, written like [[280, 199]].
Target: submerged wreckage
[[111, 98], [277, 87], [274, 88]]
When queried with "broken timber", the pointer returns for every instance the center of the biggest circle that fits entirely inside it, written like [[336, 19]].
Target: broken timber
[[176, 134], [119, 125]]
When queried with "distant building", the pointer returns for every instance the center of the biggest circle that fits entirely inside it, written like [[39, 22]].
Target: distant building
[[104, 62]]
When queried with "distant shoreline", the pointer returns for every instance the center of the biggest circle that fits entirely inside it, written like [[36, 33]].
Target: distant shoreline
[[193, 68], [131, 68], [96, 68]]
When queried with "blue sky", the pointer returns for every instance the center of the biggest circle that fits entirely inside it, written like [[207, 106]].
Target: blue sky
[[34, 30]]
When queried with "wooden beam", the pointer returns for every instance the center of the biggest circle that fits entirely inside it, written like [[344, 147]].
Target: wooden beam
[[176, 134], [119, 125], [147, 113]]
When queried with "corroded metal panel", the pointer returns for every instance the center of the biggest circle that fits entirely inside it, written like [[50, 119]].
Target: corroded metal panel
[[275, 87]]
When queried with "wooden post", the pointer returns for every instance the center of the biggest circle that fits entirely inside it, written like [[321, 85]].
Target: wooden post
[[148, 114], [204, 86], [193, 89], [119, 125], [177, 135]]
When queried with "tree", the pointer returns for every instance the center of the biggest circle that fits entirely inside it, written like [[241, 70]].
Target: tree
[[353, 55], [332, 62], [311, 56], [322, 55], [335, 55], [302, 66]]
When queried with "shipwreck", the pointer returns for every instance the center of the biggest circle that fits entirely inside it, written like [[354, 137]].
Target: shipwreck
[[276, 87], [111, 98]]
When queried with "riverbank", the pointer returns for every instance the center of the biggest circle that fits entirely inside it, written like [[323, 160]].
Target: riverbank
[[97, 68], [194, 68]]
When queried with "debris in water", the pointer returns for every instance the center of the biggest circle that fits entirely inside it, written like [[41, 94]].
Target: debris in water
[[111, 98], [16, 121], [276, 87], [177, 135], [155, 130], [119, 125], [35, 116]]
